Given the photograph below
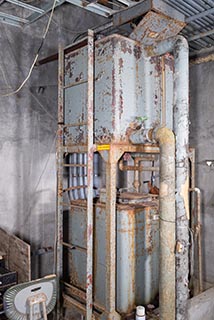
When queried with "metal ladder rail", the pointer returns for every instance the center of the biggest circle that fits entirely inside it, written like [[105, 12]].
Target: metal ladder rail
[[60, 165], [90, 152]]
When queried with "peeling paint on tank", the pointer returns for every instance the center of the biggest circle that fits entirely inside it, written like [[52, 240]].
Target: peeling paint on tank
[[169, 61], [120, 65], [157, 62], [125, 47], [137, 52]]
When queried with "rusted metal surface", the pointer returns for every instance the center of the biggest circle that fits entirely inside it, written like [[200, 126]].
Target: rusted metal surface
[[111, 170], [156, 27], [115, 63], [197, 236], [67, 50], [137, 255], [90, 156], [117, 59], [143, 7], [137, 259], [205, 59], [103, 272], [59, 165], [123, 77], [149, 93], [123, 167]]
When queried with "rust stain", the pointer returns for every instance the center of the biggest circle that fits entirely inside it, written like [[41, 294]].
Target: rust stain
[[125, 47], [89, 280], [121, 104], [169, 61], [137, 52], [120, 65], [185, 195]]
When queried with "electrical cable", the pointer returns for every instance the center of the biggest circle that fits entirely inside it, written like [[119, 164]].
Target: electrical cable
[[36, 57]]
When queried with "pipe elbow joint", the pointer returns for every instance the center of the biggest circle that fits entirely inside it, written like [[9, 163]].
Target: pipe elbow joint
[[164, 135]]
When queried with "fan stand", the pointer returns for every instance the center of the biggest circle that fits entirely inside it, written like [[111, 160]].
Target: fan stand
[[39, 298]]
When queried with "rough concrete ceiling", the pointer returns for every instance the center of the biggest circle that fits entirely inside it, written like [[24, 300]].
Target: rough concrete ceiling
[[199, 15]]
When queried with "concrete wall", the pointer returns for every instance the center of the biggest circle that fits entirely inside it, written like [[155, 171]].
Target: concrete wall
[[28, 125], [201, 137], [201, 307]]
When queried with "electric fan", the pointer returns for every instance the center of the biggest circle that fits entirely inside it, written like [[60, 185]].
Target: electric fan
[[31, 300]]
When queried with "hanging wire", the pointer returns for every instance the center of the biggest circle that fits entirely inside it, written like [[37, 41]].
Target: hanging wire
[[36, 57]]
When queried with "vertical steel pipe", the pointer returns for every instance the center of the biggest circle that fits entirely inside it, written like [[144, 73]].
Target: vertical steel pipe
[[59, 165], [181, 130], [163, 91], [179, 46], [166, 140], [90, 152]]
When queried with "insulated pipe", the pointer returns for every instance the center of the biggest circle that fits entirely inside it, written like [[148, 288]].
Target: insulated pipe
[[181, 130], [179, 46], [166, 140]]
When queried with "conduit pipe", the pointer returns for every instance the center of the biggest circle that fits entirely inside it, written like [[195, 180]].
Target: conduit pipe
[[198, 236], [166, 140], [179, 46]]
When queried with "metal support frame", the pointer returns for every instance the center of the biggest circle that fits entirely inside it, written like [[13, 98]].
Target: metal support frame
[[26, 6], [201, 35], [93, 7], [89, 149], [90, 156], [200, 15], [124, 16], [111, 158], [59, 217], [128, 11], [11, 19], [46, 8]]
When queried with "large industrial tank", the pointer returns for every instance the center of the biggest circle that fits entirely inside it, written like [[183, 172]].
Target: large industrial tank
[[127, 94], [137, 253], [127, 86]]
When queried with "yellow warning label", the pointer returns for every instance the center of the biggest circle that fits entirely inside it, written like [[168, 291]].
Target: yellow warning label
[[103, 147]]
